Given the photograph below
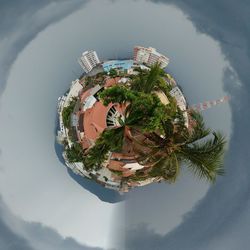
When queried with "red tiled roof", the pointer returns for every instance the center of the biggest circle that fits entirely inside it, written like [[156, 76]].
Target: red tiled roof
[[85, 94], [116, 165], [111, 81], [95, 120], [127, 173]]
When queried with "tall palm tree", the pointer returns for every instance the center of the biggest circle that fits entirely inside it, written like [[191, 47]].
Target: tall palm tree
[[168, 144], [199, 150], [148, 80]]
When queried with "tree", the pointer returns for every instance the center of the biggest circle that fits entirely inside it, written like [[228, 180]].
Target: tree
[[158, 134], [113, 72], [143, 110], [75, 154], [149, 80], [109, 140], [117, 94], [67, 111], [202, 155]]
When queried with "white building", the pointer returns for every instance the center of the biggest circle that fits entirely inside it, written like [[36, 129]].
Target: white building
[[179, 97], [149, 56], [89, 60], [181, 102]]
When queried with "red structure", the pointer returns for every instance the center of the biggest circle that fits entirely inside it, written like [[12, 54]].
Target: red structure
[[208, 104]]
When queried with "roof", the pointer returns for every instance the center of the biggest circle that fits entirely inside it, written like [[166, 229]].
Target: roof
[[89, 102], [95, 89], [95, 120], [127, 173], [122, 156], [116, 165], [111, 81], [133, 166], [85, 94]]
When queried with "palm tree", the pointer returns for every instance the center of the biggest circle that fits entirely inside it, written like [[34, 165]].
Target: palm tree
[[148, 80], [109, 140], [158, 134], [167, 152]]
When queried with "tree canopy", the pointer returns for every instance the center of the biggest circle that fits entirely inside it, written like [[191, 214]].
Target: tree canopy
[[158, 132]]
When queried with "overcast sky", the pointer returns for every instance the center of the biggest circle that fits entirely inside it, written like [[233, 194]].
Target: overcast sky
[[220, 221], [208, 46], [35, 186]]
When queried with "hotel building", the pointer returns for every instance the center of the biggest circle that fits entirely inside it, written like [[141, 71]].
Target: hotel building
[[89, 60], [149, 56]]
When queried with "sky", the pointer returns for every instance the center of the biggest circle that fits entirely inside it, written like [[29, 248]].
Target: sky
[[221, 219], [42, 206]]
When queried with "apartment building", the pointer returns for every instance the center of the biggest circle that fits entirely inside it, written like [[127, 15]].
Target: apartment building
[[88, 60], [149, 56]]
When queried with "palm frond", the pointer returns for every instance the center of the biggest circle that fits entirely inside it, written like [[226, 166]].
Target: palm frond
[[199, 131], [204, 159], [166, 167]]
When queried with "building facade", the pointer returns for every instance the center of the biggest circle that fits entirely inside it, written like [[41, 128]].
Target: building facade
[[89, 60], [149, 56]]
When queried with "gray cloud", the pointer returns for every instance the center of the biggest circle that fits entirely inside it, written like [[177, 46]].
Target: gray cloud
[[11, 241], [218, 218], [16, 234], [220, 221], [21, 21]]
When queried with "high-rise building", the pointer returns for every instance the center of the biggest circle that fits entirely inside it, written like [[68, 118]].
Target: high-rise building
[[149, 56], [88, 60]]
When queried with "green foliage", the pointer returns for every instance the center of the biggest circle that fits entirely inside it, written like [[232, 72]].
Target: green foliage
[[71, 133], [166, 88], [200, 130], [166, 167], [117, 94], [113, 138], [137, 178], [75, 153], [119, 173], [101, 74], [88, 80], [113, 72], [165, 143], [96, 155], [109, 140], [67, 111], [201, 155], [148, 80], [204, 158], [145, 111]]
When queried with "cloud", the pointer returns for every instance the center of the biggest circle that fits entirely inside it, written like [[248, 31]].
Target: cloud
[[21, 21], [41, 237], [220, 220], [16, 234]]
